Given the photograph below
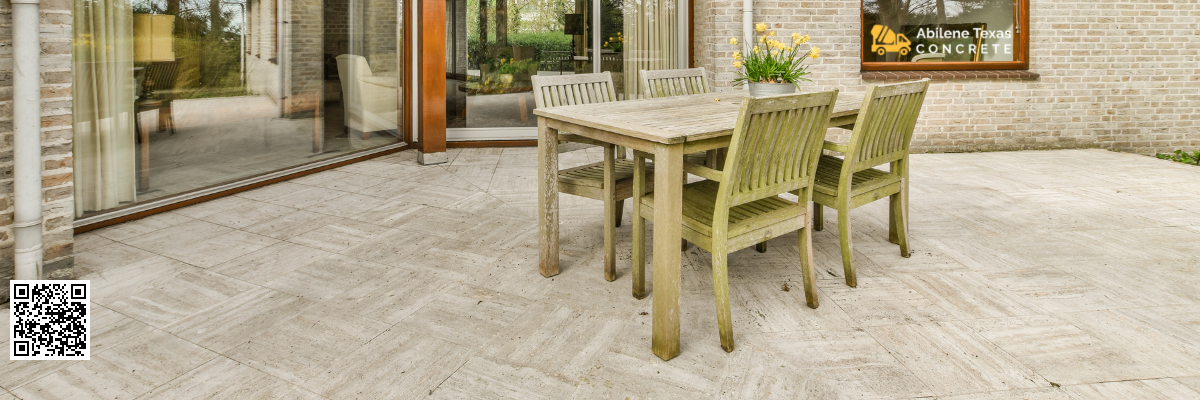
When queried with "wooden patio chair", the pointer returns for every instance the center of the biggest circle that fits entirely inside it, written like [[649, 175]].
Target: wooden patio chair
[[774, 150], [674, 82], [881, 135], [611, 180], [683, 82]]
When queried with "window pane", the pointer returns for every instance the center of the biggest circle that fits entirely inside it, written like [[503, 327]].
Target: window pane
[[494, 47], [939, 30]]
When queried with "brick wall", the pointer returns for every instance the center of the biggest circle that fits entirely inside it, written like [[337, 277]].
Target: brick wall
[[56, 141], [1115, 74]]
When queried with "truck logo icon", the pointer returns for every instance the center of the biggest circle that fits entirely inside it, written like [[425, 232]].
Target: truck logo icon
[[886, 40]]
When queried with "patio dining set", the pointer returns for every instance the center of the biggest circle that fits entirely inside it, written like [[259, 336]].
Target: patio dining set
[[749, 152]]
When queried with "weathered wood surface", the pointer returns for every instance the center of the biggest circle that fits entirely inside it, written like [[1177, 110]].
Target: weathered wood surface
[[674, 82], [664, 129], [671, 120], [882, 132]]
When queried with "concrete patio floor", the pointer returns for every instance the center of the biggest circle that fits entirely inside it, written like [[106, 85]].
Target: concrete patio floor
[[1035, 275]]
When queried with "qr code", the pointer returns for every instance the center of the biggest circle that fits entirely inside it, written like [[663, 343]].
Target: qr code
[[50, 320]]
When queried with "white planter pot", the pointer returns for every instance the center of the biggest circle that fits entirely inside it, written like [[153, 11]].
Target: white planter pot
[[771, 89]]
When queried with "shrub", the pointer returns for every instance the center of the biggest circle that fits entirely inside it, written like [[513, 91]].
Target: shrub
[[1182, 156]]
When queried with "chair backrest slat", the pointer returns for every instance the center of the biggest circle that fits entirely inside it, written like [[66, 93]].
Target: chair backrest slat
[[775, 146], [570, 90], [674, 82], [885, 124]]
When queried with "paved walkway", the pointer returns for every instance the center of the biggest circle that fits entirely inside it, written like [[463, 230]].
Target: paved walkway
[[1047, 275]]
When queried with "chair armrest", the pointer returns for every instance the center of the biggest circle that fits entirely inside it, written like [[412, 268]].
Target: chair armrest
[[385, 81], [832, 146], [702, 171]]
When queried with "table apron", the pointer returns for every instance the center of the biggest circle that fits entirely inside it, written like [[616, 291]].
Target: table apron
[[600, 135]]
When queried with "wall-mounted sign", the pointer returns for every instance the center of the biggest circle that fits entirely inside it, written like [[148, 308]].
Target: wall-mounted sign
[[905, 31]]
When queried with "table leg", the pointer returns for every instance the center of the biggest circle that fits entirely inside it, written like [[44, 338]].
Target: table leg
[[668, 217], [144, 135], [547, 198], [524, 107]]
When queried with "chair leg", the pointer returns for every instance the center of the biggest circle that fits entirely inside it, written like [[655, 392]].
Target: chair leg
[[610, 214], [720, 260], [806, 260], [639, 229], [844, 237], [620, 213], [818, 217], [761, 247], [899, 225], [683, 246]]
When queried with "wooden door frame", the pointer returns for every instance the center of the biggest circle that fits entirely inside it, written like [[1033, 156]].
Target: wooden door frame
[[431, 76]]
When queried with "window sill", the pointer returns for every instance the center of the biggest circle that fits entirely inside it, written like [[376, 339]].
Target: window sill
[[948, 75]]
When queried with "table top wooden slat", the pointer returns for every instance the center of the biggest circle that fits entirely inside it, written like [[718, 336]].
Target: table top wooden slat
[[672, 120]]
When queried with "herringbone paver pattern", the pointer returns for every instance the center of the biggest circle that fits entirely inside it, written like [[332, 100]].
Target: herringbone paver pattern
[[1048, 275]]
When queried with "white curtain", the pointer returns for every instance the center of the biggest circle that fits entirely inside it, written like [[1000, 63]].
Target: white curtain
[[651, 39], [105, 170]]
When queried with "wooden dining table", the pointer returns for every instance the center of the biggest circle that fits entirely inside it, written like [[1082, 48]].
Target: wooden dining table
[[668, 128]]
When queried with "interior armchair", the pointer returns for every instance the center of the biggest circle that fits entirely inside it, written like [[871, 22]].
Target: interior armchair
[[370, 101]]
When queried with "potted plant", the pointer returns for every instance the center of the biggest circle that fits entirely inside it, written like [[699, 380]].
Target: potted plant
[[615, 43], [770, 66]]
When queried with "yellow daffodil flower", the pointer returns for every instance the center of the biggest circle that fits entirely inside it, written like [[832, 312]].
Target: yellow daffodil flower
[[804, 39], [733, 41], [795, 36], [772, 33], [760, 27], [737, 55], [737, 64], [814, 52], [774, 53]]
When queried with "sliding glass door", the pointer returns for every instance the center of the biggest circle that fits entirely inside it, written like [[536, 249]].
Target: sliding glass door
[[173, 97], [494, 47]]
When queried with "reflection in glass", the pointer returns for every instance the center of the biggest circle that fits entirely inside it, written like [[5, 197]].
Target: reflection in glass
[[637, 35], [495, 46], [176, 95], [939, 30]]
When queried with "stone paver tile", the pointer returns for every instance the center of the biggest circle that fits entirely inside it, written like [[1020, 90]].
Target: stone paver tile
[[1186, 315], [229, 323], [326, 278], [105, 258], [558, 339], [339, 235], [766, 307], [223, 378], [848, 361], [122, 372], [449, 224], [271, 191], [218, 249], [248, 214], [270, 262], [301, 349], [1171, 348], [291, 224], [952, 359], [348, 182], [348, 206], [178, 238], [1157, 389], [214, 206], [881, 300], [109, 329], [466, 315], [308, 197], [142, 226], [1061, 352], [1190, 381], [485, 378], [90, 241], [398, 364], [393, 189], [175, 296], [1053, 290], [393, 296], [967, 295], [1139, 284], [1048, 393], [478, 175]]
